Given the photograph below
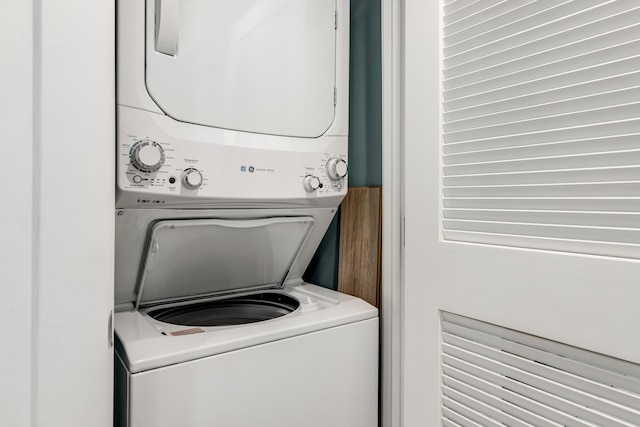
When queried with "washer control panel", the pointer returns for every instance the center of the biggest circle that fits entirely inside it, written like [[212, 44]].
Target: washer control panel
[[156, 171]]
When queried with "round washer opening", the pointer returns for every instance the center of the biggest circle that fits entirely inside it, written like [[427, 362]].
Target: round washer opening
[[239, 310]]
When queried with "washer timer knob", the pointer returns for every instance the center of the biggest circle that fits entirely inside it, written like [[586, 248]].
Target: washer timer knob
[[336, 169], [311, 183], [192, 179], [147, 155]]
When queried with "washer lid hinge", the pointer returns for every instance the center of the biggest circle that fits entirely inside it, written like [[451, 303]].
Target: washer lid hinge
[[336, 22], [335, 96]]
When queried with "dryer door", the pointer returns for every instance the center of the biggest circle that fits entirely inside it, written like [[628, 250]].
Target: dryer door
[[265, 66]]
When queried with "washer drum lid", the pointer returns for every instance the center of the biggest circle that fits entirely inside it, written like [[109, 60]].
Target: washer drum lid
[[264, 66], [187, 258]]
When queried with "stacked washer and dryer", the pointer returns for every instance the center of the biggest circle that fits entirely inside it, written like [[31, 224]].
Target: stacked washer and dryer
[[231, 163]]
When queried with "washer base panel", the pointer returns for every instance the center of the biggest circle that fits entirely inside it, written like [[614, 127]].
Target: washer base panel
[[319, 379]]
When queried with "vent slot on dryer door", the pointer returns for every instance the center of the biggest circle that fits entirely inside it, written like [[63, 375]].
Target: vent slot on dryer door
[[493, 376], [261, 66]]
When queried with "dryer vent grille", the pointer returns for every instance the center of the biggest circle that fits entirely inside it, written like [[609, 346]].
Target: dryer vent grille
[[493, 376]]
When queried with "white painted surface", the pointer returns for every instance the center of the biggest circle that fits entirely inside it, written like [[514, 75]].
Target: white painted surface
[[58, 128], [585, 301], [390, 313], [16, 244]]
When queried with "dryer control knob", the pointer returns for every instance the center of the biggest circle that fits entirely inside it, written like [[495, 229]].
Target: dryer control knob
[[336, 169], [146, 155], [192, 179], [311, 183]]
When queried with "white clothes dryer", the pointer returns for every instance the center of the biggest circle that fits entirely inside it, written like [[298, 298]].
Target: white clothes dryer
[[232, 103]]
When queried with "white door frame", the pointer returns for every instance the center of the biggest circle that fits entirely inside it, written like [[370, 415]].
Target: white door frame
[[392, 217]]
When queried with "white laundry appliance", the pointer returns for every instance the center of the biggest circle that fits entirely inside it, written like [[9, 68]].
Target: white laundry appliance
[[231, 163]]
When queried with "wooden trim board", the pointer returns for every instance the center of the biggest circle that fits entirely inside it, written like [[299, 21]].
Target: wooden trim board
[[360, 244]]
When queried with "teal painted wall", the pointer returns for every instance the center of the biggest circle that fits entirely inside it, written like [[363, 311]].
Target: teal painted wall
[[365, 127]]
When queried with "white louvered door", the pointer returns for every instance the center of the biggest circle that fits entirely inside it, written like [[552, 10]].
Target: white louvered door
[[521, 136]]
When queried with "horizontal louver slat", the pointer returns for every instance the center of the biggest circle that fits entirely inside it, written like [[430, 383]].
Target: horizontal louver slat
[[534, 380], [496, 12], [597, 131], [544, 24], [493, 90], [539, 203], [486, 62], [612, 174], [610, 249], [568, 372], [502, 25], [550, 149], [541, 125], [629, 236], [589, 219], [564, 112], [487, 406], [584, 358], [453, 5], [544, 415], [582, 161], [468, 85], [542, 376], [559, 96], [470, 8]]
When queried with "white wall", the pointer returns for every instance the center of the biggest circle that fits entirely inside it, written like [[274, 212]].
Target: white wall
[[57, 106], [16, 214]]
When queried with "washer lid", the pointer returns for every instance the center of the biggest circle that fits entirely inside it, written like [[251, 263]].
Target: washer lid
[[193, 257], [263, 66]]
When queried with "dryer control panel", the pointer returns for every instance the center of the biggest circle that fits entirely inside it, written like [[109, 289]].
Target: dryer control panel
[[155, 169]]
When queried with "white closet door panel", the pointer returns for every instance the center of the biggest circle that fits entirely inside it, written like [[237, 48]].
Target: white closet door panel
[[521, 209], [260, 66]]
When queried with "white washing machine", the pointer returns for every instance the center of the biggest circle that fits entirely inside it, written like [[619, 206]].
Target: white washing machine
[[231, 163]]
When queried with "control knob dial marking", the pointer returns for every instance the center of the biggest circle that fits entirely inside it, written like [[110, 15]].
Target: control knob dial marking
[[336, 169], [311, 183], [192, 179], [147, 155]]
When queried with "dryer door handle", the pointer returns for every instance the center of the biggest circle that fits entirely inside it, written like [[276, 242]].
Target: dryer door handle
[[167, 19]]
